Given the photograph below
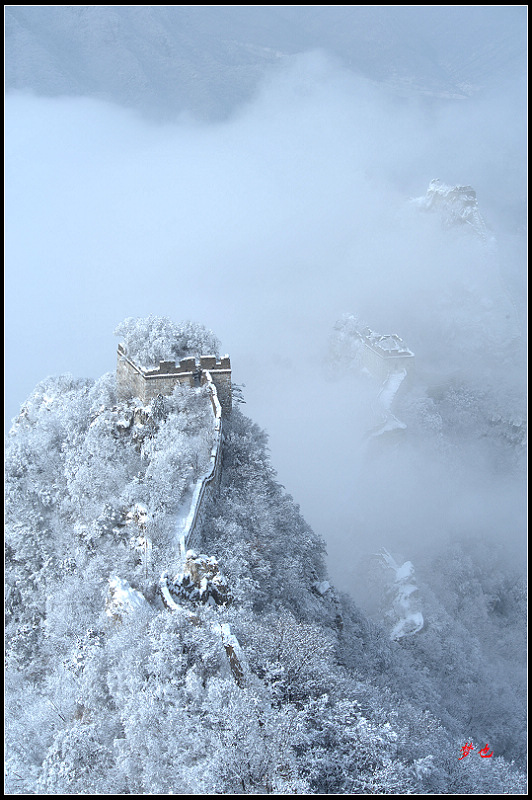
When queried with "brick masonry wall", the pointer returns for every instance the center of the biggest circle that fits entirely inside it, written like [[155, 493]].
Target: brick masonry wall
[[135, 381], [381, 366], [130, 382], [208, 486]]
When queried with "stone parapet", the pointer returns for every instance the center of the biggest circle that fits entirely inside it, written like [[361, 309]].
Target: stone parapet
[[134, 380], [208, 485]]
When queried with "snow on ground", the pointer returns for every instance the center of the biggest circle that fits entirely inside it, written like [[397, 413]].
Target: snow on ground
[[122, 598]]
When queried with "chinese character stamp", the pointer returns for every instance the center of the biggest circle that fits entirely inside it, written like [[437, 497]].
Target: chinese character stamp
[[469, 746]]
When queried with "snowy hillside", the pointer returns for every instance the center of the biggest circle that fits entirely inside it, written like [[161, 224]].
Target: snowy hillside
[[176, 621], [258, 676]]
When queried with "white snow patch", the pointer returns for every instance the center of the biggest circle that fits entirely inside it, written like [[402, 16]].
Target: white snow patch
[[123, 598], [321, 586]]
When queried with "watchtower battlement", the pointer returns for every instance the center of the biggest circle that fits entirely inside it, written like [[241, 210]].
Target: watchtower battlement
[[385, 353], [134, 380]]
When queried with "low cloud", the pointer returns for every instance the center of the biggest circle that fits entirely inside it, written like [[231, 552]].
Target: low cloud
[[267, 228]]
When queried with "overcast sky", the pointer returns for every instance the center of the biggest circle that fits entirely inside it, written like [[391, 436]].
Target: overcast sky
[[267, 228]]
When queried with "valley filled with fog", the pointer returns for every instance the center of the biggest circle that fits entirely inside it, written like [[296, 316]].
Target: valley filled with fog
[[321, 190], [267, 227]]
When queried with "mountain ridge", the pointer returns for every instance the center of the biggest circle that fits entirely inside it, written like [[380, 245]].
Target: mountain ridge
[[293, 688], [208, 60]]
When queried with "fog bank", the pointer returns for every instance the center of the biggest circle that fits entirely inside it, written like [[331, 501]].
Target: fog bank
[[267, 228]]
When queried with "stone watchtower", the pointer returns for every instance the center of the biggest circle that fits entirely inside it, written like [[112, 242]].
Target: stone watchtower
[[134, 380], [385, 353]]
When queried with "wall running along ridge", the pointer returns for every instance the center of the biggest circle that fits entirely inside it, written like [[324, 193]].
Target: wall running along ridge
[[146, 383], [208, 485], [206, 488]]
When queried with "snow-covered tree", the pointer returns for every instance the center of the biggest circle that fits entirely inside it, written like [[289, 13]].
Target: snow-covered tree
[[110, 692], [148, 340]]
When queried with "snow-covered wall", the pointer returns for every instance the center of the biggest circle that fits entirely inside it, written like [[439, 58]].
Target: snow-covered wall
[[207, 486], [134, 380], [384, 354]]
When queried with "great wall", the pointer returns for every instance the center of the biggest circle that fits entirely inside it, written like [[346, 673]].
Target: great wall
[[386, 357], [133, 380]]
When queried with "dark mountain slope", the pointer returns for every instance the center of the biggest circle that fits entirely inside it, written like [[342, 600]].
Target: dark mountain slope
[[207, 60]]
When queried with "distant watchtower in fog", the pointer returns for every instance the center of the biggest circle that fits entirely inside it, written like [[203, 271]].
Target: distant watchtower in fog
[[385, 353], [134, 380]]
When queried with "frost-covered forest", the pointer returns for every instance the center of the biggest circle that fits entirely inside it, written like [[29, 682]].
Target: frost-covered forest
[[330, 188], [110, 692]]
